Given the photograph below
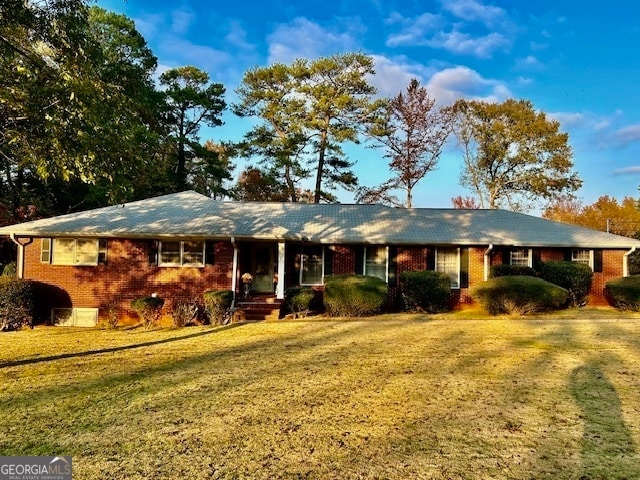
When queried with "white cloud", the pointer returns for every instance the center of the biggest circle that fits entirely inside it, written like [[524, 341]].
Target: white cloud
[[150, 24], [304, 39], [183, 52], [237, 36], [529, 63], [473, 11], [451, 84], [181, 20], [634, 170], [627, 135], [414, 31], [569, 119], [393, 75], [464, 44]]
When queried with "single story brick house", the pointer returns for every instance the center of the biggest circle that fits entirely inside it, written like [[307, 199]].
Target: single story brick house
[[180, 245]]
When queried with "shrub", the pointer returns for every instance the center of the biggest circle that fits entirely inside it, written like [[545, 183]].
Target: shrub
[[425, 291], [112, 314], [574, 277], [183, 313], [511, 271], [9, 270], [624, 292], [353, 295], [16, 303], [216, 304], [148, 309], [299, 300], [519, 295]]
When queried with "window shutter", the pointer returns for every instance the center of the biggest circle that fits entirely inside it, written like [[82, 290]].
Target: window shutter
[[506, 256], [567, 254], [45, 250], [431, 258], [328, 260], [153, 252], [209, 252], [393, 265], [359, 260], [597, 261], [464, 268]]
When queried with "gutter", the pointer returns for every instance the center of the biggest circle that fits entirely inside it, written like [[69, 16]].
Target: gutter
[[20, 256], [625, 262], [487, 261]]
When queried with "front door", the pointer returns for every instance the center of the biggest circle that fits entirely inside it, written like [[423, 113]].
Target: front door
[[263, 261]]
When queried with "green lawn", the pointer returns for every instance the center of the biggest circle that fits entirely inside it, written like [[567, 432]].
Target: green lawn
[[398, 397]]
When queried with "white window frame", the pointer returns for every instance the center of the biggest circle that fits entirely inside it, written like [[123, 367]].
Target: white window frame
[[529, 256], [457, 280], [579, 260], [386, 263], [304, 255], [70, 317], [55, 244], [182, 261]]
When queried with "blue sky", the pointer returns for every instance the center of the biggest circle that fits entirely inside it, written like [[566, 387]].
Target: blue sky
[[578, 61]]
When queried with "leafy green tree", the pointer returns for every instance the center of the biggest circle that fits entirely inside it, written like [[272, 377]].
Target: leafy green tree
[[338, 102], [513, 155], [308, 110], [78, 107], [413, 131], [44, 75], [271, 93], [191, 101], [210, 168]]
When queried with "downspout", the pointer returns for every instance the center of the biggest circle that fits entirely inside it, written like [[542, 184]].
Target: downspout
[[234, 269], [487, 261], [625, 262], [20, 256]]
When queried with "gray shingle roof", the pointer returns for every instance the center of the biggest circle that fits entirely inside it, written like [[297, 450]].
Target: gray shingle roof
[[191, 215]]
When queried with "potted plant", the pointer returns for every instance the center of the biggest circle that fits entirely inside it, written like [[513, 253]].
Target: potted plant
[[247, 279]]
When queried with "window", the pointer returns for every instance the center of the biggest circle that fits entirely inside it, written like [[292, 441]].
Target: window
[[448, 261], [178, 254], [74, 317], [581, 255], [45, 250], [521, 256], [375, 262], [73, 251], [312, 265]]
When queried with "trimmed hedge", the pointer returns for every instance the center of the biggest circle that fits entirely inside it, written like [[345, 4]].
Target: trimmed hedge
[[216, 304], [299, 300], [624, 292], [425, 291], [16, 303], [574, 277], [353, 295], [510, 271], [148, 309], [519, 295]]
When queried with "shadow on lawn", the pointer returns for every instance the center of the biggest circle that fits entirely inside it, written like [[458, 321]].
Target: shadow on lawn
[[608, 450], [28, 361]]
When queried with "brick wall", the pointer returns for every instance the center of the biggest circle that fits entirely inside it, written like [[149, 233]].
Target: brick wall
[[126, 275], [612, 267]]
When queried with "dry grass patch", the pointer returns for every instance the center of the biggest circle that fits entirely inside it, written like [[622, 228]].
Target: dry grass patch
[[392, 397]]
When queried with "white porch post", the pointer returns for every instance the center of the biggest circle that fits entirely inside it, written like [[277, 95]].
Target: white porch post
[[281, 269], [234, 269]]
